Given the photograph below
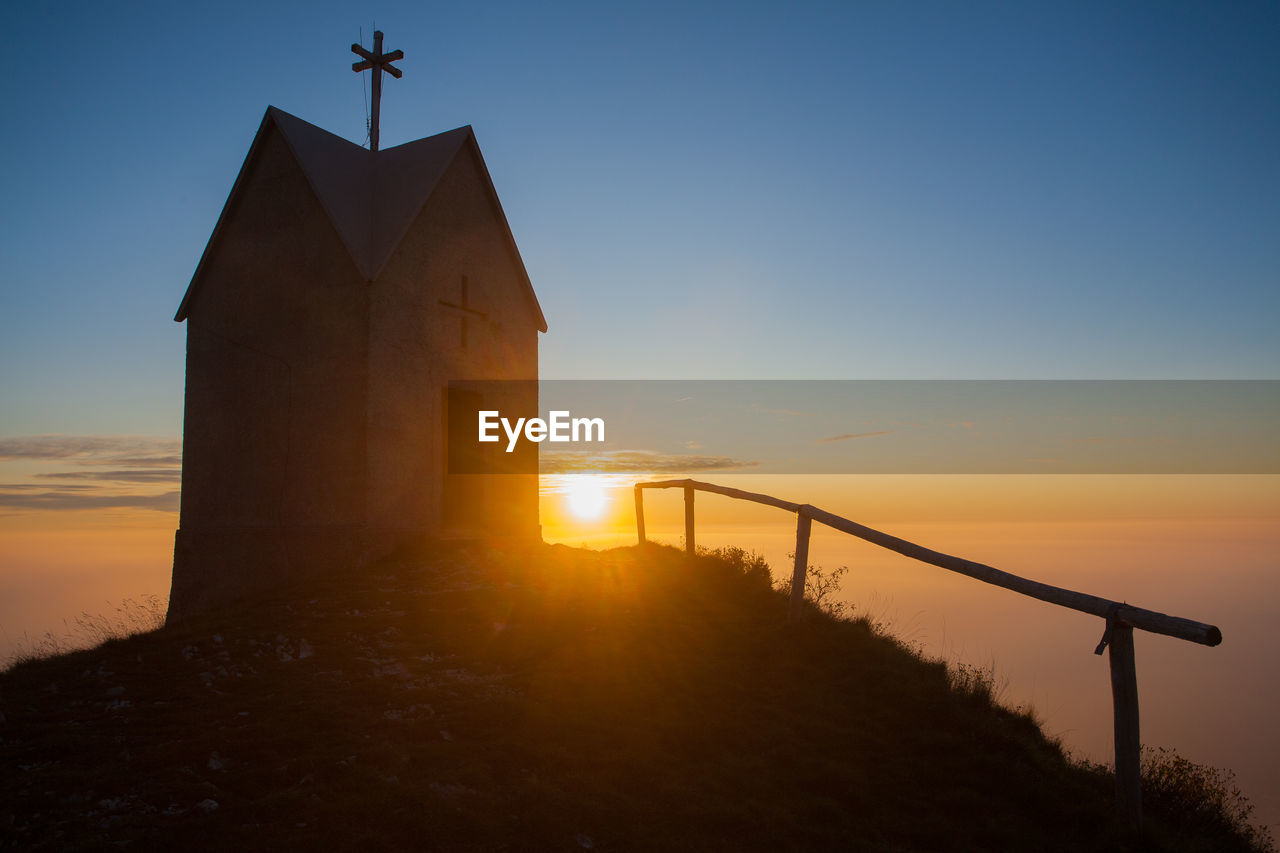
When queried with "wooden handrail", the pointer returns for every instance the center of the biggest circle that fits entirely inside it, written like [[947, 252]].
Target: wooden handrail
[[1121, 617], [1138, 617], [768, 500]]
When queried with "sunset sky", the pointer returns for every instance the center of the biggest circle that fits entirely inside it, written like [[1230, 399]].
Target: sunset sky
[[699, 191], [705, 191]]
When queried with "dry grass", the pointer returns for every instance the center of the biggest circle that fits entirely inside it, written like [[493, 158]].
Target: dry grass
[[133, 616]]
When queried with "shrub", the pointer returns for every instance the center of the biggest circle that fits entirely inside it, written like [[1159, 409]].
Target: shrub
[[749, 563], [1204, 798], [820, 587], [977, 682]]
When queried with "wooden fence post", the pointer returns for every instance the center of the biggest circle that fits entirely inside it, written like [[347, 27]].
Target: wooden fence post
[[803, 525], [688, 520], [1124, 696], [639, 514]]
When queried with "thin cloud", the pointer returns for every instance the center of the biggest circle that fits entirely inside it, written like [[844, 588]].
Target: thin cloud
[[171, 460], [635, 461], [851, 435], [119, 450], [68, 499], [34, 487], [795, 413], [105, 472], [142, 475]]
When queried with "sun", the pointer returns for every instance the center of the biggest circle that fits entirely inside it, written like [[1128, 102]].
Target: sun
[[586, 497]]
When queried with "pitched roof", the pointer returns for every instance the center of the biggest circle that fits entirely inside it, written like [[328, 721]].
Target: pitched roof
[[371, 198]]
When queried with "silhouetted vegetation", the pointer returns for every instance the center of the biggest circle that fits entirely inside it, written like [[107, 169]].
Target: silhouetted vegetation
[[544, 699], [133, 616]]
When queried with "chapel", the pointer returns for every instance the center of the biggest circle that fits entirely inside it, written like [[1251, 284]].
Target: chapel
[[352, 308]]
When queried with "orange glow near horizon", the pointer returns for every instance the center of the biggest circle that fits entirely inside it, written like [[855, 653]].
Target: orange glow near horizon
[[586, 509], [1202, 547], [945, 499], [55, 566]]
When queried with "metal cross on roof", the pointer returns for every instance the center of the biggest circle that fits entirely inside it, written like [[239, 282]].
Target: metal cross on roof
[[378, 61]]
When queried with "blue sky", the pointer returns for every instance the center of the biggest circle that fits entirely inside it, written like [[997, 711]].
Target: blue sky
[[711, 190]]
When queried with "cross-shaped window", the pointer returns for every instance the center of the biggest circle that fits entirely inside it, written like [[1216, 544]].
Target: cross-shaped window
[[465, 311]]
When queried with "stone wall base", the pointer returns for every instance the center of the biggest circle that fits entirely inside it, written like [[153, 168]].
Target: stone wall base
[[214, 566]]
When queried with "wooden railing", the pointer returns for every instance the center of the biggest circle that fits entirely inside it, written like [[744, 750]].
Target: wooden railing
[[1121, 618]]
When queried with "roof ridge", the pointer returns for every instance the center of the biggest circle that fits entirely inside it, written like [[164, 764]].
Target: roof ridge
[[340, 173], [404, 178], [371, 198]]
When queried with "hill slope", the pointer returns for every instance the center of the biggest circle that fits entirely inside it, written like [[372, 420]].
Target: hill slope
[[551, 699]]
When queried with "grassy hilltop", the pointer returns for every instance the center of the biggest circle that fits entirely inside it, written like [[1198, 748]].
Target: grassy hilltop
[[554, 699]]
